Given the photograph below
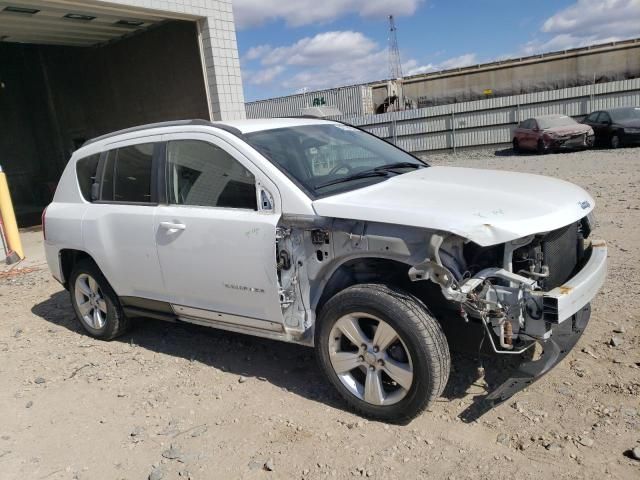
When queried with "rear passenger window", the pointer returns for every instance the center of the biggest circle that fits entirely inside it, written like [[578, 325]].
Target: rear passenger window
[[202, 174], [86, 169], [127, 174]]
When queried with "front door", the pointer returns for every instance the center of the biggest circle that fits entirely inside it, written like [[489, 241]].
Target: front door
[[216, 243]]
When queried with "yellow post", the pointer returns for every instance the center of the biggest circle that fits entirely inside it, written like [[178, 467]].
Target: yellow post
[[9, 220]]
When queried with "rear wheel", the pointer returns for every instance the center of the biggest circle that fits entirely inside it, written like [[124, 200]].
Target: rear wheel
[[96, 305], [383, 351], [616, 141]]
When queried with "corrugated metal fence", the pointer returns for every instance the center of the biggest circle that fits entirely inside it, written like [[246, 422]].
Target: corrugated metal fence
[[491, 121], [354, 100]]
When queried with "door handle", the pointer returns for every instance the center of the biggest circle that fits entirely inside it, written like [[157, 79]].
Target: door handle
[[173, 226]]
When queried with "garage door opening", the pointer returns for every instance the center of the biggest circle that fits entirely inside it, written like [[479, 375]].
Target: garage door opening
[[63, 83]]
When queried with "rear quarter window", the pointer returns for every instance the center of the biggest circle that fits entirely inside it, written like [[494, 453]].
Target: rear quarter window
[[86, 169]]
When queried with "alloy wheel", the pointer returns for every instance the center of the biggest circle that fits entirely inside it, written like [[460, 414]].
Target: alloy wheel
[[370, 359], [615, 141], [90, 301]]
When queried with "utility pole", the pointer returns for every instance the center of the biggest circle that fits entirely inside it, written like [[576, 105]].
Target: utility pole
[[395, 66]]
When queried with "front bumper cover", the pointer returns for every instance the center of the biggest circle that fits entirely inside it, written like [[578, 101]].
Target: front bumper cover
[[564, 338], [564, 301], [567, 309]]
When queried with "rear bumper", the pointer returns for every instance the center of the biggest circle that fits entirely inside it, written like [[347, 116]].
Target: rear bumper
[[563, 302]]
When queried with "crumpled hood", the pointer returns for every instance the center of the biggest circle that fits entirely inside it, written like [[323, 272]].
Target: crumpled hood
[[487, 207], [569, 130]]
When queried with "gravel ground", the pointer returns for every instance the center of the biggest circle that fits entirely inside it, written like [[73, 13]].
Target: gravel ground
[[178, 401]]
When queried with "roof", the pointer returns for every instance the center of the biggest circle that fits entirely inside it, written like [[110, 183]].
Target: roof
[[552, 115], [236, 127], [260, 124]]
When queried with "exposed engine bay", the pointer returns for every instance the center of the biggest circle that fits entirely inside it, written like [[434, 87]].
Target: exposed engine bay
[[502, 286]]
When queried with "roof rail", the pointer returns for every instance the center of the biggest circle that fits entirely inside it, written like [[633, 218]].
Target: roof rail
[[172, 123]]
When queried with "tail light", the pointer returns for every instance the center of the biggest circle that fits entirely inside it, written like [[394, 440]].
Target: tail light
[[44, 230]]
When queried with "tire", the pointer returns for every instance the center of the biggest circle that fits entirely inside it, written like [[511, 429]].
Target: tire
[[516, 146], [541, 148], [419, 347], [616, 140], [86, 279]]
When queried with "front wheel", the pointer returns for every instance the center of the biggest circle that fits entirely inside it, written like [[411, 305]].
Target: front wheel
[[516, 146], [542, 148], [616, 141], [383, 351]]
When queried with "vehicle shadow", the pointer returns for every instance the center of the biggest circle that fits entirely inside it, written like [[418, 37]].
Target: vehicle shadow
[[288, 366], [476, 370]]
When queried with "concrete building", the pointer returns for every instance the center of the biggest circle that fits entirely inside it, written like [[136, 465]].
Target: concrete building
[[71, 70]]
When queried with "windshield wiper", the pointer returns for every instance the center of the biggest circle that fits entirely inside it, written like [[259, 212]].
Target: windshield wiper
[[355, 176], [393, 166]]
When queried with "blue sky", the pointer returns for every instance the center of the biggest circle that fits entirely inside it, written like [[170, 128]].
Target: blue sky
[[289, 45]]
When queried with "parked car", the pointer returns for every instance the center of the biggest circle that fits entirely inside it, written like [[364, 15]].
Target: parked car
[[551, 133], [318, 233], [615, 127]]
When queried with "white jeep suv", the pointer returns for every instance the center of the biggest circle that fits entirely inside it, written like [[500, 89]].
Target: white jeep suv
[[318, 233]]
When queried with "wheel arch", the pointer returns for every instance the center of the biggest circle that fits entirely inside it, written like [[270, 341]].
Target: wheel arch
[[68, 259], [375, 269]]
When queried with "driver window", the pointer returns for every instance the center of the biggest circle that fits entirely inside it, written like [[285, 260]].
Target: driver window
[[202, 174], [604, 118]]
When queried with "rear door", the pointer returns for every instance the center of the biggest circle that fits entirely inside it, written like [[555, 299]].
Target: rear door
[[118, 226], [216, 242]]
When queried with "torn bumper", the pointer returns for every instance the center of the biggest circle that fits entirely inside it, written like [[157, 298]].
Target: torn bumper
[[567, 310], [563, 302], [565, 336], [556, 348]]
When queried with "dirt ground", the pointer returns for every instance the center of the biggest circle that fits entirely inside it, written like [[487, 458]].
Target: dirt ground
[[171, 401]]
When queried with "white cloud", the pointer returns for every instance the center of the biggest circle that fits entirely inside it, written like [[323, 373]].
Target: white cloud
[[587, 22], [322, 49], [306, 12], [332, 59], [413, 68], [459, 62], [256, 52], [266, 75]]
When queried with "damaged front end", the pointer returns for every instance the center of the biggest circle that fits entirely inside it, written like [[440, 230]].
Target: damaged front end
[[533, 290]]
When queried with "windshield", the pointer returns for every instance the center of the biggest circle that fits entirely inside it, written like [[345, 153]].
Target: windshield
[[622, 114], [329, 158], [553, 122]]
